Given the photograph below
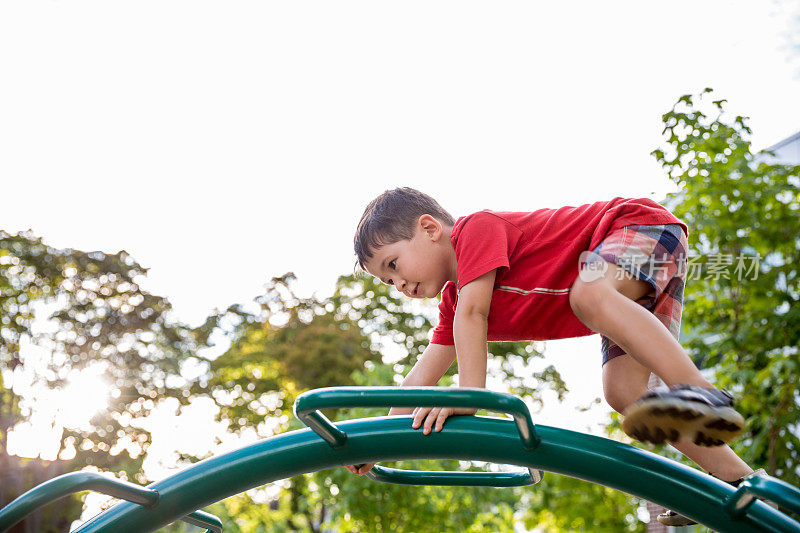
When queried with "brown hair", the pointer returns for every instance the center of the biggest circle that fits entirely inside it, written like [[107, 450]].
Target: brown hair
[[391, 217]]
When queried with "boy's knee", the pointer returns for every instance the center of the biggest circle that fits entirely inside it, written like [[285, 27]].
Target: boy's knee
[[585, 298]]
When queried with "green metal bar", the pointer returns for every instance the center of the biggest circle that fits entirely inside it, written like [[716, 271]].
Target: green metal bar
[[69, 484], [73, 482], [203, 519], [307, 410], [323, 427], [594, 459], [454, 479], [309, 403], [766, 487]]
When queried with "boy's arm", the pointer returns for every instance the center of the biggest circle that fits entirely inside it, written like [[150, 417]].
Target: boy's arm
[[469, 331]]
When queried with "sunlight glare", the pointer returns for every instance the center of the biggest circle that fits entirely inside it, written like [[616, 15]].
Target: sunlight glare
[[86, 394]]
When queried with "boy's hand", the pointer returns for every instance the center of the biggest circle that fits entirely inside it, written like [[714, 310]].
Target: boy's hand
[[434, 417], [361, 469]]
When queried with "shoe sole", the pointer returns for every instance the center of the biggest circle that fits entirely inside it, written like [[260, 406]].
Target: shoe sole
[[676, 520], [659, 420]]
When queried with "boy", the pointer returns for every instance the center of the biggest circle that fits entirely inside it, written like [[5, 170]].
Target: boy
[[616, 268]]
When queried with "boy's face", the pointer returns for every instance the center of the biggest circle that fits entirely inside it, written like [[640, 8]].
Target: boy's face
[[418, 267]]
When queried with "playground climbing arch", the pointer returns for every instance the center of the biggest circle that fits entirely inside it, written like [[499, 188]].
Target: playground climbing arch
[[537, 449]]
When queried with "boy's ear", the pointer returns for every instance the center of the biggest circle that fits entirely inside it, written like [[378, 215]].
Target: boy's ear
[[431, 226]]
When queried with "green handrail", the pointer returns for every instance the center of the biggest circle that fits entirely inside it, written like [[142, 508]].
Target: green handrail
[[309, 403], [765, 487], [73, 482]]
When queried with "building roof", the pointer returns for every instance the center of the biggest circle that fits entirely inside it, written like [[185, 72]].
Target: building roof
[[788, 140]]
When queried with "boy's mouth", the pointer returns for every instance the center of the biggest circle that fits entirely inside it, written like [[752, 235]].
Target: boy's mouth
[[415, 290]]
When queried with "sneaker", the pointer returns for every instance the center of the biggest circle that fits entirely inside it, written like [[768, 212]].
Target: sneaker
[[684, 412], [671, 518]]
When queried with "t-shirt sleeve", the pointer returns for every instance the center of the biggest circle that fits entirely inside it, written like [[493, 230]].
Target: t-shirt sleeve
[[443, 332], [485, 243]]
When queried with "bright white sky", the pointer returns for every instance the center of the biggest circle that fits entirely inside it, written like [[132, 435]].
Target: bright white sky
[[223, 143]]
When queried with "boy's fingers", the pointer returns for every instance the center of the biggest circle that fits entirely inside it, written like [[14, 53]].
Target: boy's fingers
[[360, 469], [365, 468], [419, 415], [430, 419], [443, 414]]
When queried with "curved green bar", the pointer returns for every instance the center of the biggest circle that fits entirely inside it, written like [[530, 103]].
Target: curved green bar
[[309, 403], [454, 479], [204, 519], [69, 484], [769, 488], [307, 410], [73, 482], [595, 459]]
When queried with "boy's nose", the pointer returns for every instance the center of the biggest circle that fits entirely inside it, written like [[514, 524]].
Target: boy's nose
[[400, 284]]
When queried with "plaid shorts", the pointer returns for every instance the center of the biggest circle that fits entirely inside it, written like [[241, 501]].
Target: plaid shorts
[[655, 254]]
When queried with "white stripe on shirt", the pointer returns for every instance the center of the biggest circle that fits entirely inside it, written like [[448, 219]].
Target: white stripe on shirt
[[537, 290]]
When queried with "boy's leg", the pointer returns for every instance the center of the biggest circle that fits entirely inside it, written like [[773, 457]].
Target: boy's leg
[[694, 410], [607, 306], [719, 461], [625, 381]]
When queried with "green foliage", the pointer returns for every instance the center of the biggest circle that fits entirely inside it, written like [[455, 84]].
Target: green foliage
[[743, 209], [267, 366], [9, 410], [561, 503], [362, 505], [383, 315]]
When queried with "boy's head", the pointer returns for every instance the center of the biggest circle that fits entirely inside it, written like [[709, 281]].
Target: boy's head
[[390, 223]]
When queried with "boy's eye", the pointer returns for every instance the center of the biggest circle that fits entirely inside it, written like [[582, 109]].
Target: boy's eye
[[391, 264]]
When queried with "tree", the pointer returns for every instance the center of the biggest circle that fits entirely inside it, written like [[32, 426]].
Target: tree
[[743, 211], [85, 310]]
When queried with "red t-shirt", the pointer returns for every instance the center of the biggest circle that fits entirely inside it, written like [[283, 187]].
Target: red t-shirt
[[537, 256]]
